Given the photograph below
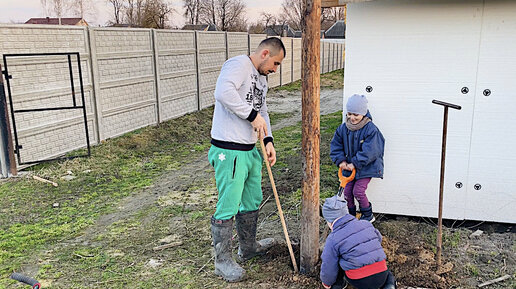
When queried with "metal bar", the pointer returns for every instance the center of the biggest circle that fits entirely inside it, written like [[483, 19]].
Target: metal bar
[[441, 188], [83, 104], [7, 77], [55, 159], [40, 54], [49, 108], [446, 104], [71, 79], [441, 183]]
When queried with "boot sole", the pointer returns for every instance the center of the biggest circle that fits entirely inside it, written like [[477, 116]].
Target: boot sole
[[219, 273]]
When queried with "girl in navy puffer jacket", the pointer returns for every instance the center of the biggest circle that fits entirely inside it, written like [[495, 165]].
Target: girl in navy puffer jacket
[[353, 251], [358, 144]]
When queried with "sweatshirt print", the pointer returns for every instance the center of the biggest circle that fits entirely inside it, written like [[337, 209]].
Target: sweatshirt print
[[240, 90]]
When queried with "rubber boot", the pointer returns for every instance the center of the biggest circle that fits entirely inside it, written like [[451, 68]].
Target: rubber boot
[[246, 229], [390, 283], [367, 213], [225, 266], [353, 211]]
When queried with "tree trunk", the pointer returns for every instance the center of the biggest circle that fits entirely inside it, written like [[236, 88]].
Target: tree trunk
[[311, 135]]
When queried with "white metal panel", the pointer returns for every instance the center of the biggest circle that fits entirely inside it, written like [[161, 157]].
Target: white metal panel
[[492, 161], [411, 53]]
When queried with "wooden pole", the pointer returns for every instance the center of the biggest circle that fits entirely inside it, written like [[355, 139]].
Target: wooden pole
[[280, 211], [311, 32]]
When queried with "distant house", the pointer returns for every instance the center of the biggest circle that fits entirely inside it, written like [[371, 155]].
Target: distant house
[[200, 27], [55, 21], [336, 31], [298, 34], [280, 30]]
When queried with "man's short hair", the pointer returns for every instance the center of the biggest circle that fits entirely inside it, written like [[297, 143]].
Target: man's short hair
[[275, 44]]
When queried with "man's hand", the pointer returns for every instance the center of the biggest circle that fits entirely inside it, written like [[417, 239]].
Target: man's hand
[[350, 167], [271, 153], [260, 126], [343, 165]]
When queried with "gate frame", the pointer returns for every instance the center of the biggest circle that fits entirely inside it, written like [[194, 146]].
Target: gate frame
[[75, 106]]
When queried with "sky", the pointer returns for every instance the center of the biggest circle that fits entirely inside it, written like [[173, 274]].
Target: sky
[[19, 11]]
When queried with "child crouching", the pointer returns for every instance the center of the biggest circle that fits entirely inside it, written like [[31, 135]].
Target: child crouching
[[353, 251]]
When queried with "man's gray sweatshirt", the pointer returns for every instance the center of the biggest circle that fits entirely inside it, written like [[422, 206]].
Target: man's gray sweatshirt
[[239, 97]]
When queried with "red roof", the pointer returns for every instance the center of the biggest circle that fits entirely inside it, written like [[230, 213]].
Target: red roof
[[54, 21]]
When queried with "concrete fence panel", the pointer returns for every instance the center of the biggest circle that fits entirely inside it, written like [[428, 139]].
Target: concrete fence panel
[[238, 43], [44, 82], [176, 73], [286, 65], [254, 41], [211, 55], [296, 59], [125, 87]]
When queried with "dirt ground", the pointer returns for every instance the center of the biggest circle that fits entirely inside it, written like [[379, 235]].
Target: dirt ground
[[175, 210]]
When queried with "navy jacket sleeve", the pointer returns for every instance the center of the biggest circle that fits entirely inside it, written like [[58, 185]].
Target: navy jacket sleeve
[[337, 154], [372, 148], [330, 264]]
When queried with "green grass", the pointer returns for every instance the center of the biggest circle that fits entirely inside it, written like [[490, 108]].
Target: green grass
[[34, 215], [334, 80], [39, 222]]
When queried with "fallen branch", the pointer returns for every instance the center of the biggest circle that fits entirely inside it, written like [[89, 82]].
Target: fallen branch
[[261, 206], [494, 281], [170, 245], [205, 264], [44, 180]]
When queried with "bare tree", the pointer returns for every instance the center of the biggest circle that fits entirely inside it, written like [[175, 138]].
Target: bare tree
[[147, 13], [227, 15], [118, 6], [157, 13], [331, 15], [208, 12], [134, 12], [292, 11], [83, 9], [192, 11], [54, 7]]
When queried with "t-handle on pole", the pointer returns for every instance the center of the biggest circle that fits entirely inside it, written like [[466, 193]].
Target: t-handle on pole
[[441, 185]]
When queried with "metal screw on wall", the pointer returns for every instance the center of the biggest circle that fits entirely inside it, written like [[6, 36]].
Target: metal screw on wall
[[441, 186]]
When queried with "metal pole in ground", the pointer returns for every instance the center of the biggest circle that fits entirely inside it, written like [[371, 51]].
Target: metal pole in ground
[[7, 162], [441, 184]]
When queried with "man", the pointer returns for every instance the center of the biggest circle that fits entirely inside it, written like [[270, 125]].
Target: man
[[240, 117]]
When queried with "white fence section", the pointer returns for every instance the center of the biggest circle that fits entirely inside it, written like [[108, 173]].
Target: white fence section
[[176, 73], [44, 82], [123, 68], [211, 55], [132, 78]]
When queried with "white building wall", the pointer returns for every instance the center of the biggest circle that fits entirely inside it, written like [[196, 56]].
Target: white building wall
[[429, 50]]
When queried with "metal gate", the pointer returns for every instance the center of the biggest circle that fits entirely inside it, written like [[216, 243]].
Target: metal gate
[[73, 103]]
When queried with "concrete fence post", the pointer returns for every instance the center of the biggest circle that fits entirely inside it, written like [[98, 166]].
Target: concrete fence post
[[96, 84], [197, 69], [155, 58]]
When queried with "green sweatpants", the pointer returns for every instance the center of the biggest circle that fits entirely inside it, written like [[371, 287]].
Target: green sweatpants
[[238, 175]]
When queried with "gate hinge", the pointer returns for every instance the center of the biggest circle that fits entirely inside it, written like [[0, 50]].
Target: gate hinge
[[7, 76]]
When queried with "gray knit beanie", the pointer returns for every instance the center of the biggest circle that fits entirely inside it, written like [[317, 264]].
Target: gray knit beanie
[[334, 208], [357, 104]]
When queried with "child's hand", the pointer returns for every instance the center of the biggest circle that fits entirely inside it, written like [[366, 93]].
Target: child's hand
[[343, 165], [326, 286], [350, 167]]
